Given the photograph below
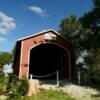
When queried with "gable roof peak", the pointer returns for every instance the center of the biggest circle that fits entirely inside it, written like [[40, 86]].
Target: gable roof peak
[[39, 33], [43, 32]]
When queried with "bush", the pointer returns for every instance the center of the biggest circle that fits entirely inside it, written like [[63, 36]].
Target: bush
[[2, 85], [3, 82], [17, 87]]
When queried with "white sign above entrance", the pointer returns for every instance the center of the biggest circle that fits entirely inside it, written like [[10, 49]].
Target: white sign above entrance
[[50, 36]]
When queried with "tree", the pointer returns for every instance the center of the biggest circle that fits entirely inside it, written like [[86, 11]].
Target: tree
[[85, 33], [69, 27], [91, 20], [5, 58], [72, 29]]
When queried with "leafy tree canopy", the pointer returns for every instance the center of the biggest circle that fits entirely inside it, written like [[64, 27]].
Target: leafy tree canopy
[[85, 33], [5, 58]]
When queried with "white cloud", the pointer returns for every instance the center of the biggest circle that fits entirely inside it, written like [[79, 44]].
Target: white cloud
[[2, 39], [39, 11], [7, 24]]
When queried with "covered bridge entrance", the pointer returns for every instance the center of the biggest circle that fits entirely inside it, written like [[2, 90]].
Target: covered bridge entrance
[[48, 58], [42, 55]]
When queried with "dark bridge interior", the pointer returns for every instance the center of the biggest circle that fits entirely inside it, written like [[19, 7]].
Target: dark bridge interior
[[48, 58]]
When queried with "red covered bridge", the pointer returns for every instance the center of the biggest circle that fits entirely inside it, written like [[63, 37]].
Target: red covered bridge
[[44, 53]]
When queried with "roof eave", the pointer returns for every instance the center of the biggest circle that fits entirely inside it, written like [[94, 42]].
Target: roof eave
[[42, 32]]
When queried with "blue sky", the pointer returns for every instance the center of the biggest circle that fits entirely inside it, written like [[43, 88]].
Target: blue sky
[[20, 18]]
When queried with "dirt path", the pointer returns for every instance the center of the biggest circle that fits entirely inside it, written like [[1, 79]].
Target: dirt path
[[2, 97], [76, 91]]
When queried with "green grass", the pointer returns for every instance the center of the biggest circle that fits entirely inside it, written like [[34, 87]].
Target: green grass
[[50, 95]]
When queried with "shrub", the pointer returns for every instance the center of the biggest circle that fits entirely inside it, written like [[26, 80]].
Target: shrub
[[17, 87], [3, 82], [2, 85]]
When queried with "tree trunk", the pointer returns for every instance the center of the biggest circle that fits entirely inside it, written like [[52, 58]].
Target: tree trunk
[[33, 87]]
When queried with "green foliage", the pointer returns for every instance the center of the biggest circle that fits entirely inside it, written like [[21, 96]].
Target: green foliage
[[50, 95], [93, 61], [18, 88], [1, 73], [23, 88], [85, 33], [91, 20], [96, 3], [3, 82], [5, 58], [72, 29], [2, 86], [69, 27], [12, 83]]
